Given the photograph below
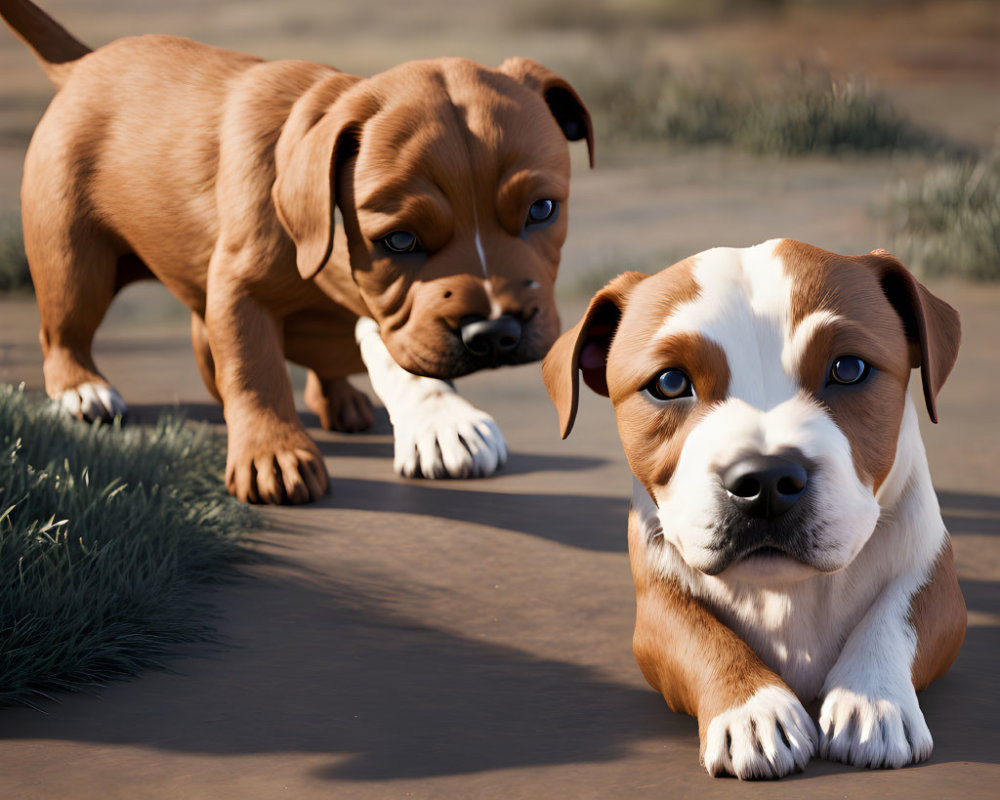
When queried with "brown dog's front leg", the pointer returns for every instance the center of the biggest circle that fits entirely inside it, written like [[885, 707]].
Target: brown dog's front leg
[[270, 459], [750, 723]]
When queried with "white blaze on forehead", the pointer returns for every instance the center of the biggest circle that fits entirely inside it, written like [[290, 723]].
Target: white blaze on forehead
[[479, 249], [479, 243], [744, 306]]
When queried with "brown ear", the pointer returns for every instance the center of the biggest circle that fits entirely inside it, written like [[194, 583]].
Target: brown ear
[[562, 99], [303, 191], [584, 348], [932, 327]]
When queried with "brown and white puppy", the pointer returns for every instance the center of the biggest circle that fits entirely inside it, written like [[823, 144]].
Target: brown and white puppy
[[220, 174], [785, 540]]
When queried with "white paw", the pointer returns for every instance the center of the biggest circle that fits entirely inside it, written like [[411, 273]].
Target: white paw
[[868, 730], [444, 436], [768, 736], [92, 401]]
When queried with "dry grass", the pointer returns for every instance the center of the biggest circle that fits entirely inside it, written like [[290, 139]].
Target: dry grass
[[801, 113], [948, 222]]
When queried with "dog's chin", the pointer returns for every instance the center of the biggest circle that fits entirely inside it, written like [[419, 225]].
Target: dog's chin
[[767, 565]]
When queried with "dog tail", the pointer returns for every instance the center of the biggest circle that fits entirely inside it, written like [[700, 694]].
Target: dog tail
[[55, 47]]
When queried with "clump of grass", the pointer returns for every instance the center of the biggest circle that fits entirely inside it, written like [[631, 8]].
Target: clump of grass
[[802, 113], [14, 274], [948, 222], [105, 533]]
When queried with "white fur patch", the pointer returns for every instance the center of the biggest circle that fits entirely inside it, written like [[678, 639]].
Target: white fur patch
[[92, 401], [768, 736], [437, 433], [481, 252]]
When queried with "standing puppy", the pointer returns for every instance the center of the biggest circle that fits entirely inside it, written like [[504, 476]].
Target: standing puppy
[[785, 539], [219, 174]]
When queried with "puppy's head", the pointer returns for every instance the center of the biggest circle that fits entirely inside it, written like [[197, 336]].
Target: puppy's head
[[452, 181], [759, 396]]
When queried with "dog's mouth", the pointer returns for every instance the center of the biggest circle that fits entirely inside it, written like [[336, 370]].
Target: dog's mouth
[[766, 552], [761, 544]]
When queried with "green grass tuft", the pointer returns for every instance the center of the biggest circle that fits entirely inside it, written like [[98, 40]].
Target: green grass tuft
[[948, 222], [804, 112], [14, 274], [105, 533]]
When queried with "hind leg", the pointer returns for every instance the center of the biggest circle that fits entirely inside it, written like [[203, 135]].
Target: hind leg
[[74, 271], [325, 344], [203, 354], [339, 406]]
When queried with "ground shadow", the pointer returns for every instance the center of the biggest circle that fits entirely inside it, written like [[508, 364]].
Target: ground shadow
[[966, 512], [373, 443], [331, 670], [586, 521]]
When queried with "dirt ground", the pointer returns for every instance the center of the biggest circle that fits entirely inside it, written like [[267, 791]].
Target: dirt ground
[[473, 639]]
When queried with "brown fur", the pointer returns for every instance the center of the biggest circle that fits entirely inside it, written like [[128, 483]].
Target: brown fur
[[218, 173], [939, 618]]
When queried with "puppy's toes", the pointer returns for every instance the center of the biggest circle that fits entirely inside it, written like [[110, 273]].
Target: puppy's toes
[[447, 437], [92, 401], [768, 736], [356, 414], [282, 473], [868, 730], [339, 406]]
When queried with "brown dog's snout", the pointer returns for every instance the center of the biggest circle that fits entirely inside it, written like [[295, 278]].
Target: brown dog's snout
[[490, 337]]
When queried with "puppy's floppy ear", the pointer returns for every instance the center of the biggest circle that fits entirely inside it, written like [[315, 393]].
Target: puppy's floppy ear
[[303, 191], [584, 348], [932, 326], [562, 99]]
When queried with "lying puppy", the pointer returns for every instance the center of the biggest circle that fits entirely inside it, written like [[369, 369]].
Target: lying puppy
[[785, 539], [219, 173]]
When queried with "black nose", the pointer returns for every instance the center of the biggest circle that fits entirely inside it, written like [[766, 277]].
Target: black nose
[[765, 486], [484, 337]]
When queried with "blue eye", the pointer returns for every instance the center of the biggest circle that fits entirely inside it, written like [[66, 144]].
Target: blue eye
[[400, 242], [670, 384], [848, 370], [541, 211]]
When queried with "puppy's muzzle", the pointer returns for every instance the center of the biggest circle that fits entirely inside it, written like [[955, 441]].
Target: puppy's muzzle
[[765, 487], [490, 339], [765, 509]]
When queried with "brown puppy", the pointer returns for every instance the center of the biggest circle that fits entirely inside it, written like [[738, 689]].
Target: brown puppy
[[785, 540], [219, 173]]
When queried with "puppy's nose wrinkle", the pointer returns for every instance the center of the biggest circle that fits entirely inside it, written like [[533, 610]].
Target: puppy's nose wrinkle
[[765, 486], [485, 337]]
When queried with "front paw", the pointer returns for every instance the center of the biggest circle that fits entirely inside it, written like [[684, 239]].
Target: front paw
[[768, 736], [445, 436], [871, 729], [92, 401], [285, 470]]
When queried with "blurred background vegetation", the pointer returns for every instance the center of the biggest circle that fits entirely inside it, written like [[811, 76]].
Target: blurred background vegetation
[[905, 91]]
